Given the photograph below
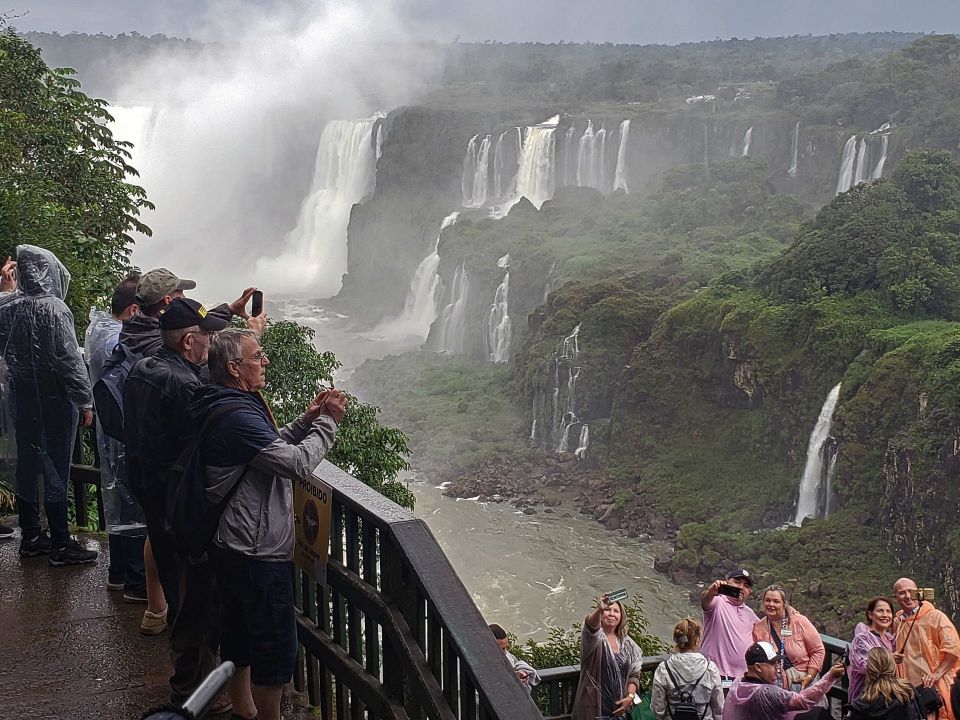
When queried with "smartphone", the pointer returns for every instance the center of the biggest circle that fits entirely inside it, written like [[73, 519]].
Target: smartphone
[[616, 595], [256, 305], [729, 590], [922, 594]]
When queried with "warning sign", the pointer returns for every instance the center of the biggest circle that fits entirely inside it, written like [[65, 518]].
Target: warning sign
[[312, 500]]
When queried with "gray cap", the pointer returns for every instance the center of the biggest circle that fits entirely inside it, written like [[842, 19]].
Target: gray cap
[[156, 284]]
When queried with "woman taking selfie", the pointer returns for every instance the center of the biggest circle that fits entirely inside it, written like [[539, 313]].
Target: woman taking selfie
[[687, 677], [875, 633], [795, 638], [885, 696], [610, 664]]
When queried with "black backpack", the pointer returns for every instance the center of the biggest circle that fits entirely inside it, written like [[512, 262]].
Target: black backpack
[[108, 390], [683, 707]]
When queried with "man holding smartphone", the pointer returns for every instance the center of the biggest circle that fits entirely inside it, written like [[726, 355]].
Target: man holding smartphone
[[728, 624]]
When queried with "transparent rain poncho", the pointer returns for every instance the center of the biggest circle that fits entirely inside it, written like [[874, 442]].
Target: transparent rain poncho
[[120, 509], [762, 701], [43, 379]]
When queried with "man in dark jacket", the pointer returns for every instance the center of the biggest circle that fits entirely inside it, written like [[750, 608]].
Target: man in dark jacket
[[46, 385], [244, 453], [157, 428]]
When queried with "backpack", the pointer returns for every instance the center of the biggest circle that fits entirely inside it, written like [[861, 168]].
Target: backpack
[[683, 706], [108, 390], [191, 518]]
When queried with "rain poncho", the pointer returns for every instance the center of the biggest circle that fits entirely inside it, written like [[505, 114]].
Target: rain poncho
[[764, 701], [121, 511], [926, 638], [687, 669], [43, 380]]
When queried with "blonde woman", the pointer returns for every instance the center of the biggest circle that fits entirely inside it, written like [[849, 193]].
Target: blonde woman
[[798, 644], [885, 696], [687, 677]]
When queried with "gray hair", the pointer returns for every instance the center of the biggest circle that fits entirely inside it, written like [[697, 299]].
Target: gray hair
[[171, 339], [225, 346]]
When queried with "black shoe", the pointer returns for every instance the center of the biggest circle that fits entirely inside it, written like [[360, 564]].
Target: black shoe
[[35, 546], [73, 553], [6, 531], [135, 594]]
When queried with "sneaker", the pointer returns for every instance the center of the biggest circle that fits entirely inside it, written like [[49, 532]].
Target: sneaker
[[6, 531], [153, 623], [135, 594], [35, 546], [73, 553], [114, 586]]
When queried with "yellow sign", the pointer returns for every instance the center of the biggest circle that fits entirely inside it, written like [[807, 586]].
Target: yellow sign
[[312, 503]]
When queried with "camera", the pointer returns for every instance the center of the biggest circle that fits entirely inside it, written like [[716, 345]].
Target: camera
[[922, 594], [729, 590]]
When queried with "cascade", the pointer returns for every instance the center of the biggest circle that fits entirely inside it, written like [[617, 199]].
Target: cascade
[[884, 132], [794, 149], [860, 174], [569, 157], [476, 172], [845, 181], [314, 258], [420, 307], [747, 138], [498, 319], [498, 167], [469, 170], [453, 326], [535, 174], [809, 498], [587, 158], [620, 174], [601, 180], [583, 443]]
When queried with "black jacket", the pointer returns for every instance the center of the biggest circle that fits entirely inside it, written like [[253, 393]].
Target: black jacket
[[860, 709], [141, 333]]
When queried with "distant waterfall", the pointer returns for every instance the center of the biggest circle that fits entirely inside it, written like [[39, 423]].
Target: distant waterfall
[[498, 162], [535, 178], [845, 182], [497, 321], [476, 172], [314, 258], [583, 443], [555, 421], [811, 501], [884, 132], [860, 174], [570, 157], [620, 174], [452, 330], [601, 179], [747, 138], [794, 150], [587, 158]]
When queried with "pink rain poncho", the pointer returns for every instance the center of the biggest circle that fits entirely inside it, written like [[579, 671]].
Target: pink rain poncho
[[764, 701]]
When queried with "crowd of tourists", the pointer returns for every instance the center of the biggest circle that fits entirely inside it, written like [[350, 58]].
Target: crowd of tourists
[[196, 474]]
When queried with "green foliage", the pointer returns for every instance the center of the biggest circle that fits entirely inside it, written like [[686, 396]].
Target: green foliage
[[367, 449]]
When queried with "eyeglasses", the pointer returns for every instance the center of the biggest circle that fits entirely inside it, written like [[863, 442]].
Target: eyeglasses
[[260, 356]]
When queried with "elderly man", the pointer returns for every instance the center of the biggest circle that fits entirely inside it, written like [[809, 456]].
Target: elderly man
[[926, 645], [728, 623], [249, 463]]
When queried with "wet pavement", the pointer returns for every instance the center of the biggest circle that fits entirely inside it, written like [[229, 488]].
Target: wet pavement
[[70, 648]]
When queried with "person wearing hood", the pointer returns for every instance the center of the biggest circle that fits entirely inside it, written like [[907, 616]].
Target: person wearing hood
[[875, 633], [757, 696], [249, 465], [46, 392], [687, 676], [885, 696]]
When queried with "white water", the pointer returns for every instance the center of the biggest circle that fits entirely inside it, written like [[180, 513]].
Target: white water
[[570, 157], [620, 174], [498, 329], [878, 169], [535, 176], [794, 150], [584, 442], [747, 138], [498, 167], [601, 179], [314, 258], [860, 174], [476, 172], [807, 501], [847, 160], [452, 329]]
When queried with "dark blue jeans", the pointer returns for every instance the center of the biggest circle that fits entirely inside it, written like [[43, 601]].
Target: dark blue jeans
[[126, 561]]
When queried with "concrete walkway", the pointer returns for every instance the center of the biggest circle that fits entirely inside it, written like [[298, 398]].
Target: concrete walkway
[[71, 648]]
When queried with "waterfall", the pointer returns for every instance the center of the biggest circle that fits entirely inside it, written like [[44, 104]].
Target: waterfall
[[420, 307], [884, 131], [808, 500], [860, 174], [314, 258], [476, 172], [845, 182], [587, 158], [569, 157], [469, 170], [583, 443], [747, 137], [794, 149], [453, 318], [601, 180], [535, 174], [498, 319], [498, 167], [620, 174]]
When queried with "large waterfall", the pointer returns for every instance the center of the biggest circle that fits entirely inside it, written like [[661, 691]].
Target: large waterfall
[[452, 329], [535, 175], [884, 132], [314, 258], [855, 165], [845, 181], [620, 173], [813, 498], [476, 172], [794, 150], [497, 322], [860, 173]]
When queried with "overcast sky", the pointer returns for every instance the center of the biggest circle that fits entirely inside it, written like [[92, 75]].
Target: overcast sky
[[631, 21]]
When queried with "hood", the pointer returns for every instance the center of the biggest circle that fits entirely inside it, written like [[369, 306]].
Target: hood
[[688, 666], [103, 326], [208, 397], [39, 272], [141, 334], [743, 691], [876, 709]]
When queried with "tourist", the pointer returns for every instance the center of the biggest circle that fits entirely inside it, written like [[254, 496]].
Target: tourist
[[799, 647], [525, 672], [758, 696], [926, 645], [157, 428], [687, 677], [248, 460], [875, 633], [884, 696], [610, 664], [728, 624], [47, 390]]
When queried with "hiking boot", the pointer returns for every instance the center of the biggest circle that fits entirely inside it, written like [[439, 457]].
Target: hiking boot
[[35, 546], [73, 553], [153, 623], [135, 594], [6, 531]]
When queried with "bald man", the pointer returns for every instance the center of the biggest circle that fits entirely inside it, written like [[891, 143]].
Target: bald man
[[927, 646]]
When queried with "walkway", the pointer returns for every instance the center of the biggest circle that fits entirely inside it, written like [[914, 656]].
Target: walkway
[[71, 648]]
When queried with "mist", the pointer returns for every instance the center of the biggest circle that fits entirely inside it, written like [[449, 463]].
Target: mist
[[225, 140]]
